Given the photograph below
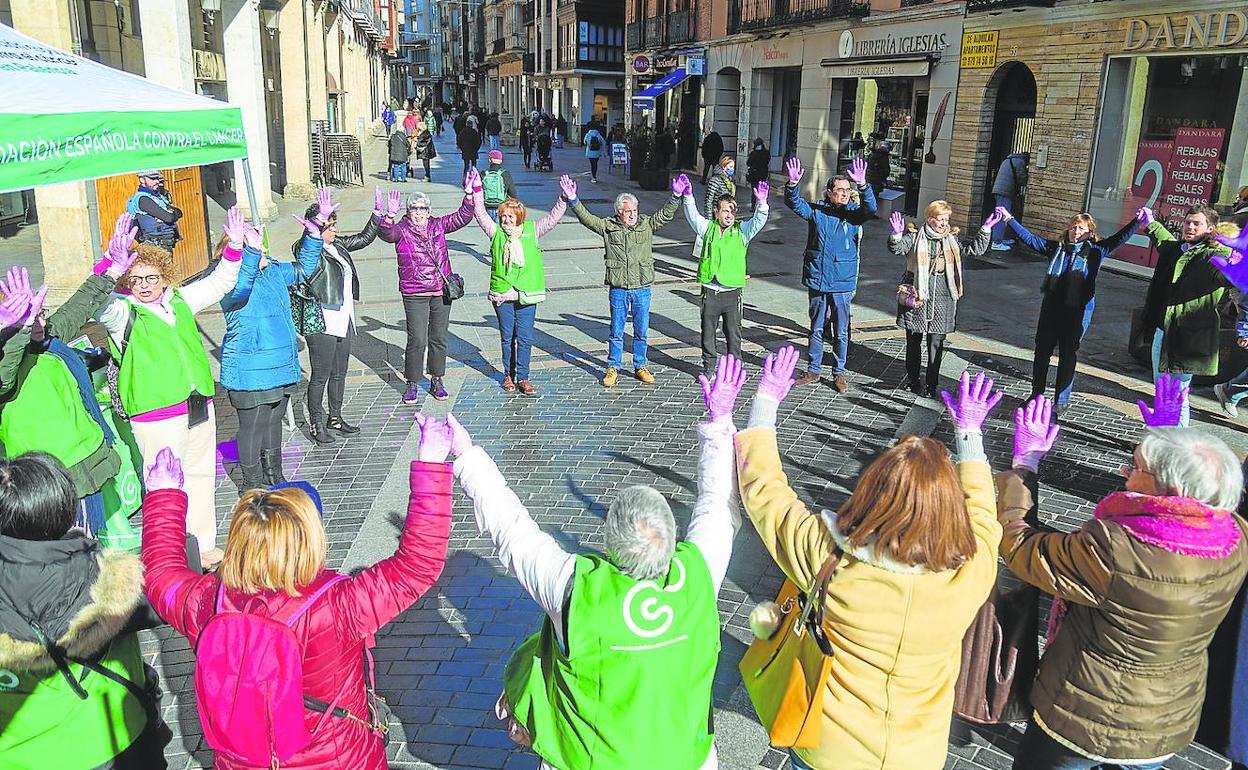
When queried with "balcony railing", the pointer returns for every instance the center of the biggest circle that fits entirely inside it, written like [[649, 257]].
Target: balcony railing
[[760, 14], [913, 3], [996, 5], [528, 12], [654, 32], [634, 37], [678, 27], [510, 42]]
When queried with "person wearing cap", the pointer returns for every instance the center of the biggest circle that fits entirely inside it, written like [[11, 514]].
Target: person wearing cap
[[496, 184], [830, 262], [153, 211], [424, 266]]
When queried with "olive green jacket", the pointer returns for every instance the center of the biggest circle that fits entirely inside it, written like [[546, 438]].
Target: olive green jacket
[[629, 252]]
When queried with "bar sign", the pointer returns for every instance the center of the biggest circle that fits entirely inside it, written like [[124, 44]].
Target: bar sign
[[979, 49]]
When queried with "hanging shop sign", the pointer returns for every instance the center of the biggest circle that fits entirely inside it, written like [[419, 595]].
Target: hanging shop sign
[[979, 49], [643, 103], [1212, 29], [641, 63], [695, 65], [666, 62]]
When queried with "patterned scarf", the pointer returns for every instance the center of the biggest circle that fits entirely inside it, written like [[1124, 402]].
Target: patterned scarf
[[923, 259]]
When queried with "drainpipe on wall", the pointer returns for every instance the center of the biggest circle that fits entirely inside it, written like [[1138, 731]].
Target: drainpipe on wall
[[307, 85]]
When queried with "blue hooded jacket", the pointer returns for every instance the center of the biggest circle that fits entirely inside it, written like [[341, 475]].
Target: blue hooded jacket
[[830, 262]]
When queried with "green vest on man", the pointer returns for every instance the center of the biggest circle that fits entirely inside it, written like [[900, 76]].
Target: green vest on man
[[633, 688], [723, 256]]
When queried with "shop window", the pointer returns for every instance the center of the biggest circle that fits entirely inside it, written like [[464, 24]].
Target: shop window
[[1167, 139]]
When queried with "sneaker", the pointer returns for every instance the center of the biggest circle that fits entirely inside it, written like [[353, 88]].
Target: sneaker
[[1224, 400], [1001, 247], [840, 383], [609, 379], [437, 389], [807, 378], [509, 386], [644, 375], [526, 388], [412, 396], [915, 387]]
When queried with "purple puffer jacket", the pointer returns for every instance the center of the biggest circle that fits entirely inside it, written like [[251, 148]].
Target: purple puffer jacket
[[422, 257]]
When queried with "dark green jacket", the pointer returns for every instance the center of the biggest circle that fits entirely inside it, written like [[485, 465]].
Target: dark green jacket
[[1184, 300], [629, 252], [66, 323]]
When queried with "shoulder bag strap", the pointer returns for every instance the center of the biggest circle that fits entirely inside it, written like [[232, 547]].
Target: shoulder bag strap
[[813, 602]]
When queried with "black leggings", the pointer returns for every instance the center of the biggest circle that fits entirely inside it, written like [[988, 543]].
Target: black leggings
[[426, 162], [914, 357], [329, 357], [259, 428], [593, 167], [528, 154]]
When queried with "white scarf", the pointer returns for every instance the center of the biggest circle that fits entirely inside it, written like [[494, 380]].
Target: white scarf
[[513, 250], [953, 260]]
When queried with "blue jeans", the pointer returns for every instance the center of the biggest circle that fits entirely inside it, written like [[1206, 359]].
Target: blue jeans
[[515, 326], [1002, 233], [1038, 751], [1184, 377], [622, 302], [829, 314], [398, 172], [494, 145]]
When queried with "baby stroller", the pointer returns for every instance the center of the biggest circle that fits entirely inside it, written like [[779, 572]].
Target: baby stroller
[[544, 162]]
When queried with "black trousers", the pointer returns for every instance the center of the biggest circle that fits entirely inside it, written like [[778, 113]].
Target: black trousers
[[426, 162], [469, 164], [1062, 328], [720, 306], [329, 367], [259, 428], [428, 319], [527, 149], [914, 357], [593, 168]]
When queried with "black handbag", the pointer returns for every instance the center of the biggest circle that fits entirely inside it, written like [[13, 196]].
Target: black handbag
[[305, 311]]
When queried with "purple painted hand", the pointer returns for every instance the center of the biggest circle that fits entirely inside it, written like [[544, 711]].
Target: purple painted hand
[[1004, 213], [678, 189], [1235, 270], [119, 252], [461, 442], [18, 285], [165, 473], [857, 171], [778, 373], [234, 226], [435, 439], [720, 394], [568, 185], [394, 203], [378, 205], [1034, 432], [993, 219], [253, 237], [1145, 215], [896, 223], [794, 168], [309, 226], [975, 401], [325, 206], [1169, 396], [760, 191], [13, 310]]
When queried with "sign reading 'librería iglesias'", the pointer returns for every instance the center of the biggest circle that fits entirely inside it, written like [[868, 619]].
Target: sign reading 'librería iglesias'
[[1211, 29]]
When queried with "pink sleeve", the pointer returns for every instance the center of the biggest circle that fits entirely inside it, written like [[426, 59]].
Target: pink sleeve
[[175, 591], [379, 593], [548, 222], [483, 219], [102, 266], [232, 254]]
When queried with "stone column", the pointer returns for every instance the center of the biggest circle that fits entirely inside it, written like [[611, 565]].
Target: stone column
[[244, 80], [67, 238], [167, 56], [298, 22]]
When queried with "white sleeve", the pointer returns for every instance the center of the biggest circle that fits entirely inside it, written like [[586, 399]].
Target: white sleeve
[[754, 225], [715, 518], [210, 289], [543, 568], [113, 317], [696, 220]]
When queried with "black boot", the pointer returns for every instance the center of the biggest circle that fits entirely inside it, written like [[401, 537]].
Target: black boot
[[342, 426], [250, 477], [320, 431], [271, 464]]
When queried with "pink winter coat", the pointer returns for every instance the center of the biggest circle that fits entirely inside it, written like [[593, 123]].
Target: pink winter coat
[[334, 630], [423, 258]]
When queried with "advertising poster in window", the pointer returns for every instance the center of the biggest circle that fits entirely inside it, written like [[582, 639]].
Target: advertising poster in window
[[1193, 170], [1152, 159]]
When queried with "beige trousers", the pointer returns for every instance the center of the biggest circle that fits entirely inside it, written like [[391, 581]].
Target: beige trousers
[[197, 449]]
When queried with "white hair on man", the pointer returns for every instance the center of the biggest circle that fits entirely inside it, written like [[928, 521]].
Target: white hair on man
[[1188, 462], [623, 198], [641, 533]]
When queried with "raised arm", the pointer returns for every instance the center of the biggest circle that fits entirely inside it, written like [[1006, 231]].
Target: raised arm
[[1152, 228], [250, 268], [979, 242], [362, 238], [696, 221], [597, 224], [715, 519], [212, 288], [754, 225], [388, 228], [665, 214], [864, 212], [1120, 237], [799, 205], [548, 222], [1042, 246], [459, 218]]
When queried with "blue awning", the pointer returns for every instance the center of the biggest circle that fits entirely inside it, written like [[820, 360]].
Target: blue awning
[[664, 83]]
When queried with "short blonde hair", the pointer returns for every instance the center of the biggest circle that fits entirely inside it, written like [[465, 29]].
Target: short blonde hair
[[276, 542], [726, 161], [153, 256], [513, 205], [937, 208]]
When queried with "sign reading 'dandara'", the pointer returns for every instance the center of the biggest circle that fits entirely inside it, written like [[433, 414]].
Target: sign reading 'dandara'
[[1211, 29]]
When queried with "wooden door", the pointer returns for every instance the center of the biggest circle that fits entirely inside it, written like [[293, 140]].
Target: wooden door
[[190, 256]]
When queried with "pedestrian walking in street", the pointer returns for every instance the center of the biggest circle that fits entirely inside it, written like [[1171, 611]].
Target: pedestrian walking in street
[[927, 298], [720, 185], [830, 262], [283, 659], [1183, 306], [493, 131], [468, 141], [543, 144], [388, 118], [399, 147], [712, 151], [153, 211], [649, 673], [628, 253], [1138, 592], [497, 184], [526, 141], [561, 131], [757, 164], [458, 124], [424, 264], [1234, 390], [1007, 191], [595, 146], [664, 147], [410, 121], [425, 150], [720, 246], [335, 285], [1068, 295], [517, 279], [431, 122], [914, 555], [687, 146]]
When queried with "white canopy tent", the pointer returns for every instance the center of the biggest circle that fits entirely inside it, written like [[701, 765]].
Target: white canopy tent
[[64, 118]]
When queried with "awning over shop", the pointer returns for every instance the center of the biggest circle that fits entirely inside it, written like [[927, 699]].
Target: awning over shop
[[664, 83]]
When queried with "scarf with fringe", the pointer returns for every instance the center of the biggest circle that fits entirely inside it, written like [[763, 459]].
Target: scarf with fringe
[[513, 250], [923, 259]]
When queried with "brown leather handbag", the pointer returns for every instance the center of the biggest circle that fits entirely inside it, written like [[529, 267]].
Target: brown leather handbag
[[1000, 654]]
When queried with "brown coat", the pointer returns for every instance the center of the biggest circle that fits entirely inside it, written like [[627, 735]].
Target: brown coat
[[1125, 677]]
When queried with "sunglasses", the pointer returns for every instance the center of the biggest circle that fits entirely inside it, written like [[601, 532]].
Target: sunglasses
[[417, 208]]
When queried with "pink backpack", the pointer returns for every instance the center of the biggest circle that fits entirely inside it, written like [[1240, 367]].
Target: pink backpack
[[249, 682]]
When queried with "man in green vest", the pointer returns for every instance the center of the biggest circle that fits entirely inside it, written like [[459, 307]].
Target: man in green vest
[[619, 676], [719, 247]]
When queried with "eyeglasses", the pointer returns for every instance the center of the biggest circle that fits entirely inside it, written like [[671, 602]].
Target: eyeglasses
[[1130, 467], [418, 208], [145, 280]]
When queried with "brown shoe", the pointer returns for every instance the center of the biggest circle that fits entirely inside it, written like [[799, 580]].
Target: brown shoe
[[807, 378], [508, 385], [526, 388], [840, 384], [644, 375]]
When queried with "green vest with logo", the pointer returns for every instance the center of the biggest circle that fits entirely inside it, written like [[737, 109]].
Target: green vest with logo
[[46, 414], [162, 364], [633, 689], [529, 280], [723, 256]]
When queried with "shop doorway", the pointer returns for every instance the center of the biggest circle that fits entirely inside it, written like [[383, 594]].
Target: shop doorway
[[1012, 124], [728, 107], [786, 104]]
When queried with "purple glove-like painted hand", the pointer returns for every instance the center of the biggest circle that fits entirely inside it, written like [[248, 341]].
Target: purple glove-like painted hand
[[1235, 271], [678, 189], [1168, 398], [18, 285], [436, 438], [1034, 432], [234, 226], [13, 309], [394, 203], [568, 186], [686, 187], [896, 223], [794, 168], [1145, 215], [119, 253], [253, 237], [993, 220], [760, 191], [975, 401], [378, 204], [165, 473], [312, 228], [325, 206], [857, 171], [777, 376], [720, 394], [461, 442]]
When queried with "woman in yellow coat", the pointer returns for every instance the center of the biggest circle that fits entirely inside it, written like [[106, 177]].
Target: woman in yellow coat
[[919, 537]]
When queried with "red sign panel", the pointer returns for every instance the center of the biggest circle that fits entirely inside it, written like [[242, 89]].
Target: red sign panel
[[1193, 168], [1152, 158]]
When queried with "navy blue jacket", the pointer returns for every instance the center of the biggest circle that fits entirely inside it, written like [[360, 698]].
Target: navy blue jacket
[[830, 262], [1078, 287]]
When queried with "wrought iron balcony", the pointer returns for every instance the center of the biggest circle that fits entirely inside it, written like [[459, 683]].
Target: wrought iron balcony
[[634, 36], [678, 27], [655, 32], [1001, 5], [506, 43], [761, 14]]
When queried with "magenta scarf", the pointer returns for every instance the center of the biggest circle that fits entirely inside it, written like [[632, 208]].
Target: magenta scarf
[[1176, 524]]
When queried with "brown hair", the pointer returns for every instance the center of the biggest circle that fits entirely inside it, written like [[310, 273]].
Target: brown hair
[[511, 204], [726, 160], [1087, 221], [1211, 216], [219, 249], [909, 507], [276, 542], [152, 256]]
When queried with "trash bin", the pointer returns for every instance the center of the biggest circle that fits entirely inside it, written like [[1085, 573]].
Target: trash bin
[[890, 201]]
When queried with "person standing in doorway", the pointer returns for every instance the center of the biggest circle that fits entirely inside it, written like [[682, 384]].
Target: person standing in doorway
[[712, 151], [830, 262], [595, 145], [153, 211], [1007, 192]]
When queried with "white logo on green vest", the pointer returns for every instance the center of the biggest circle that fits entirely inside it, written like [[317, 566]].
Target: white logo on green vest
[[651, 609]]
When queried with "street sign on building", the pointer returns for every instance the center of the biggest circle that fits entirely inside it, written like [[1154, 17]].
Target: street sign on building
[[643, 102], [695, 65]]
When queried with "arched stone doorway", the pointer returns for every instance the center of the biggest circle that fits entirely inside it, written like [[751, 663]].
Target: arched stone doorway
[[1013, 119]]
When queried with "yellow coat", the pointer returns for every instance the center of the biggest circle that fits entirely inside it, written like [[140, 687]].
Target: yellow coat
[[897, 629]]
